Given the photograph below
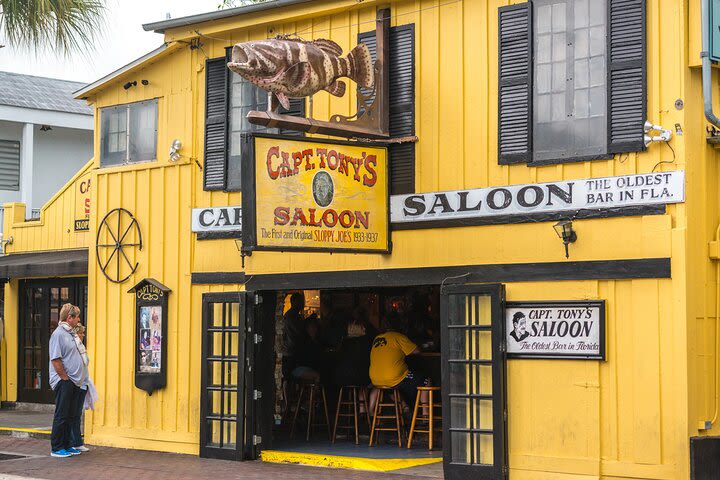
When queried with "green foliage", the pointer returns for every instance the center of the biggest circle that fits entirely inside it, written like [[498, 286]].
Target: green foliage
[[65, 25]]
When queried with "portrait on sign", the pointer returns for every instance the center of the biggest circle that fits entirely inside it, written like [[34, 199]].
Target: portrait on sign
[[572, 329]]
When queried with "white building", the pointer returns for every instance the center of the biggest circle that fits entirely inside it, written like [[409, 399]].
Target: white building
[[45, 137]]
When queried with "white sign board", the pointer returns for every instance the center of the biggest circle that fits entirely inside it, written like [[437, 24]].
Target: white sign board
[[567, 195], [217, 219], [573, 329]]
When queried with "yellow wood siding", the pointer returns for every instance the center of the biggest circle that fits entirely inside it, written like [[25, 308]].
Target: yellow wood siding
[[54, 230], [629, 416]]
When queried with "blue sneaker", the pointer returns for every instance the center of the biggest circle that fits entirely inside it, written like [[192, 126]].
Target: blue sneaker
[[61, 454], [73, 451]]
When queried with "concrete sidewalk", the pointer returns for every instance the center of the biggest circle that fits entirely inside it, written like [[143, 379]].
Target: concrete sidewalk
[[120, 464], [30, 421], [25, 420]]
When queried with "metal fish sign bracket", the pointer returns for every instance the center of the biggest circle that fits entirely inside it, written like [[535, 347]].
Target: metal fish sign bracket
[[292, 68]]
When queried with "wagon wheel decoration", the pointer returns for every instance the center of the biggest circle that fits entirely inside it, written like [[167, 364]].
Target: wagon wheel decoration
[[118, 238]]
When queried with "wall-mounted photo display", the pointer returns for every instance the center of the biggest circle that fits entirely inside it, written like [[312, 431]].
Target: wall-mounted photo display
[[151, 321], [151, 300], [557, 329]]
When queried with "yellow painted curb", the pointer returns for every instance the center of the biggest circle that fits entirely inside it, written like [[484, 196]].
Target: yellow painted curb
[[335, 461], [26, 430]]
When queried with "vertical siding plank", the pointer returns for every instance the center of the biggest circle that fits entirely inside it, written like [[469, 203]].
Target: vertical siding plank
[[476, 73], [451, 94], [646, 369]]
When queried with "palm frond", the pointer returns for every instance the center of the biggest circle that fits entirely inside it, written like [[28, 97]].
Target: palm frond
[[65, 25]]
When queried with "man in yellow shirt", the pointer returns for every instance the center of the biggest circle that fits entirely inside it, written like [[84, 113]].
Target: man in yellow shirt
[[387, 361]]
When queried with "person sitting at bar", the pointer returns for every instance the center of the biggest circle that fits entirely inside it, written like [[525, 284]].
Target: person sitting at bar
[[388, 368], [421, 327], [354, 355], [296, 340], [330, 324], [310, 359]]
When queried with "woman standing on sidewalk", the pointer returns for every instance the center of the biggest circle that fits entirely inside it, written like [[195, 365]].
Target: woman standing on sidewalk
[[88, 394]]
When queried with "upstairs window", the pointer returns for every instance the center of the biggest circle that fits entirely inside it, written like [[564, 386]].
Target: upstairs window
[[229, 98], [128, 133], [572, 80], [569, 94]]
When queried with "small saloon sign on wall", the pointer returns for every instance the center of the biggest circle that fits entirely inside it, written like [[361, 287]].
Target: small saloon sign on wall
[[572, 329], [82, 203], [151, 301], [316, 196]]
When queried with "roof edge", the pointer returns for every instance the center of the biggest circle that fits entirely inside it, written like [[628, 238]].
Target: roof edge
[[161, 26], [81, 93]]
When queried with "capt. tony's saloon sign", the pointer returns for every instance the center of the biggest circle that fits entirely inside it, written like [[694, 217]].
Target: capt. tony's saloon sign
[[465, 207], [571, 329], [315, 195]]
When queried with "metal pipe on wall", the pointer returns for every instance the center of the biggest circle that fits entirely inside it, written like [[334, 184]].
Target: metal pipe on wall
[[706, 64]]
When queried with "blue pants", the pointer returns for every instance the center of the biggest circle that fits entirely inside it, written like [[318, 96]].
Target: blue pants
[[67, 395], [75, 437]]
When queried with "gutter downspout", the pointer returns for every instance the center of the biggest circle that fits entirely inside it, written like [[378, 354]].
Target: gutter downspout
[[706, 64], [716, 412]]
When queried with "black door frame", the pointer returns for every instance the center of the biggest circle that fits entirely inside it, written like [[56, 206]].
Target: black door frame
[[260, 314], [499, 469], [206, 450], [260, 372], [77, 297]]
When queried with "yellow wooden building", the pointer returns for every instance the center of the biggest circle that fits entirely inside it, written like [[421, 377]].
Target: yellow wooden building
[[527, 114]]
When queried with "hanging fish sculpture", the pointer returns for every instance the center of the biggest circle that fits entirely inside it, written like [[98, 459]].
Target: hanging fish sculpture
[[296, 68]]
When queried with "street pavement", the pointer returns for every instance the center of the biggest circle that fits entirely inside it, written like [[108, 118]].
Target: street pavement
[[114, 463]]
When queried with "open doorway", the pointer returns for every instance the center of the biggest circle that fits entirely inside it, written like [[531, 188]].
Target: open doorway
[[323, 360]]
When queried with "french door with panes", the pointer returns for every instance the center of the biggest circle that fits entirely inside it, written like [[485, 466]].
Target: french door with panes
[[222, 406], [40, 303], [473, 382]]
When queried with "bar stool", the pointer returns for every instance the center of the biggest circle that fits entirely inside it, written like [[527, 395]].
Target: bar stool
[[395, 415], [430, 418], [314, 390], [354, 392]]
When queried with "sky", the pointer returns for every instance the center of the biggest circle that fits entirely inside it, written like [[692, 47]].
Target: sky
[[122, 41]]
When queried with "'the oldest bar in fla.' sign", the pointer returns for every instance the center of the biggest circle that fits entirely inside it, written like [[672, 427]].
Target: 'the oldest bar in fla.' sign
[[322, 196]]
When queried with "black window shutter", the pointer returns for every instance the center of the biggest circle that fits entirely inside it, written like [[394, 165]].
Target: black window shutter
[[627, 72], [515, 84], [402, 104], [216, 100], [297, 109]]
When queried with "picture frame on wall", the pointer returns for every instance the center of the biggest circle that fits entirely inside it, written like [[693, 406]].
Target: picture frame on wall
[[151, 300]]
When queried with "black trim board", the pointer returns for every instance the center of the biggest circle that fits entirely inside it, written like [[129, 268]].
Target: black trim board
[[512, 272], [633, 211], [217, 278], [219, 235]]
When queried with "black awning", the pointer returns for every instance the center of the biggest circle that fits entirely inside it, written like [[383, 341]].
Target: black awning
[[44, 264]]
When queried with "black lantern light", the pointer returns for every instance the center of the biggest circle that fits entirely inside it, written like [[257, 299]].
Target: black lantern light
[[565, 231]]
